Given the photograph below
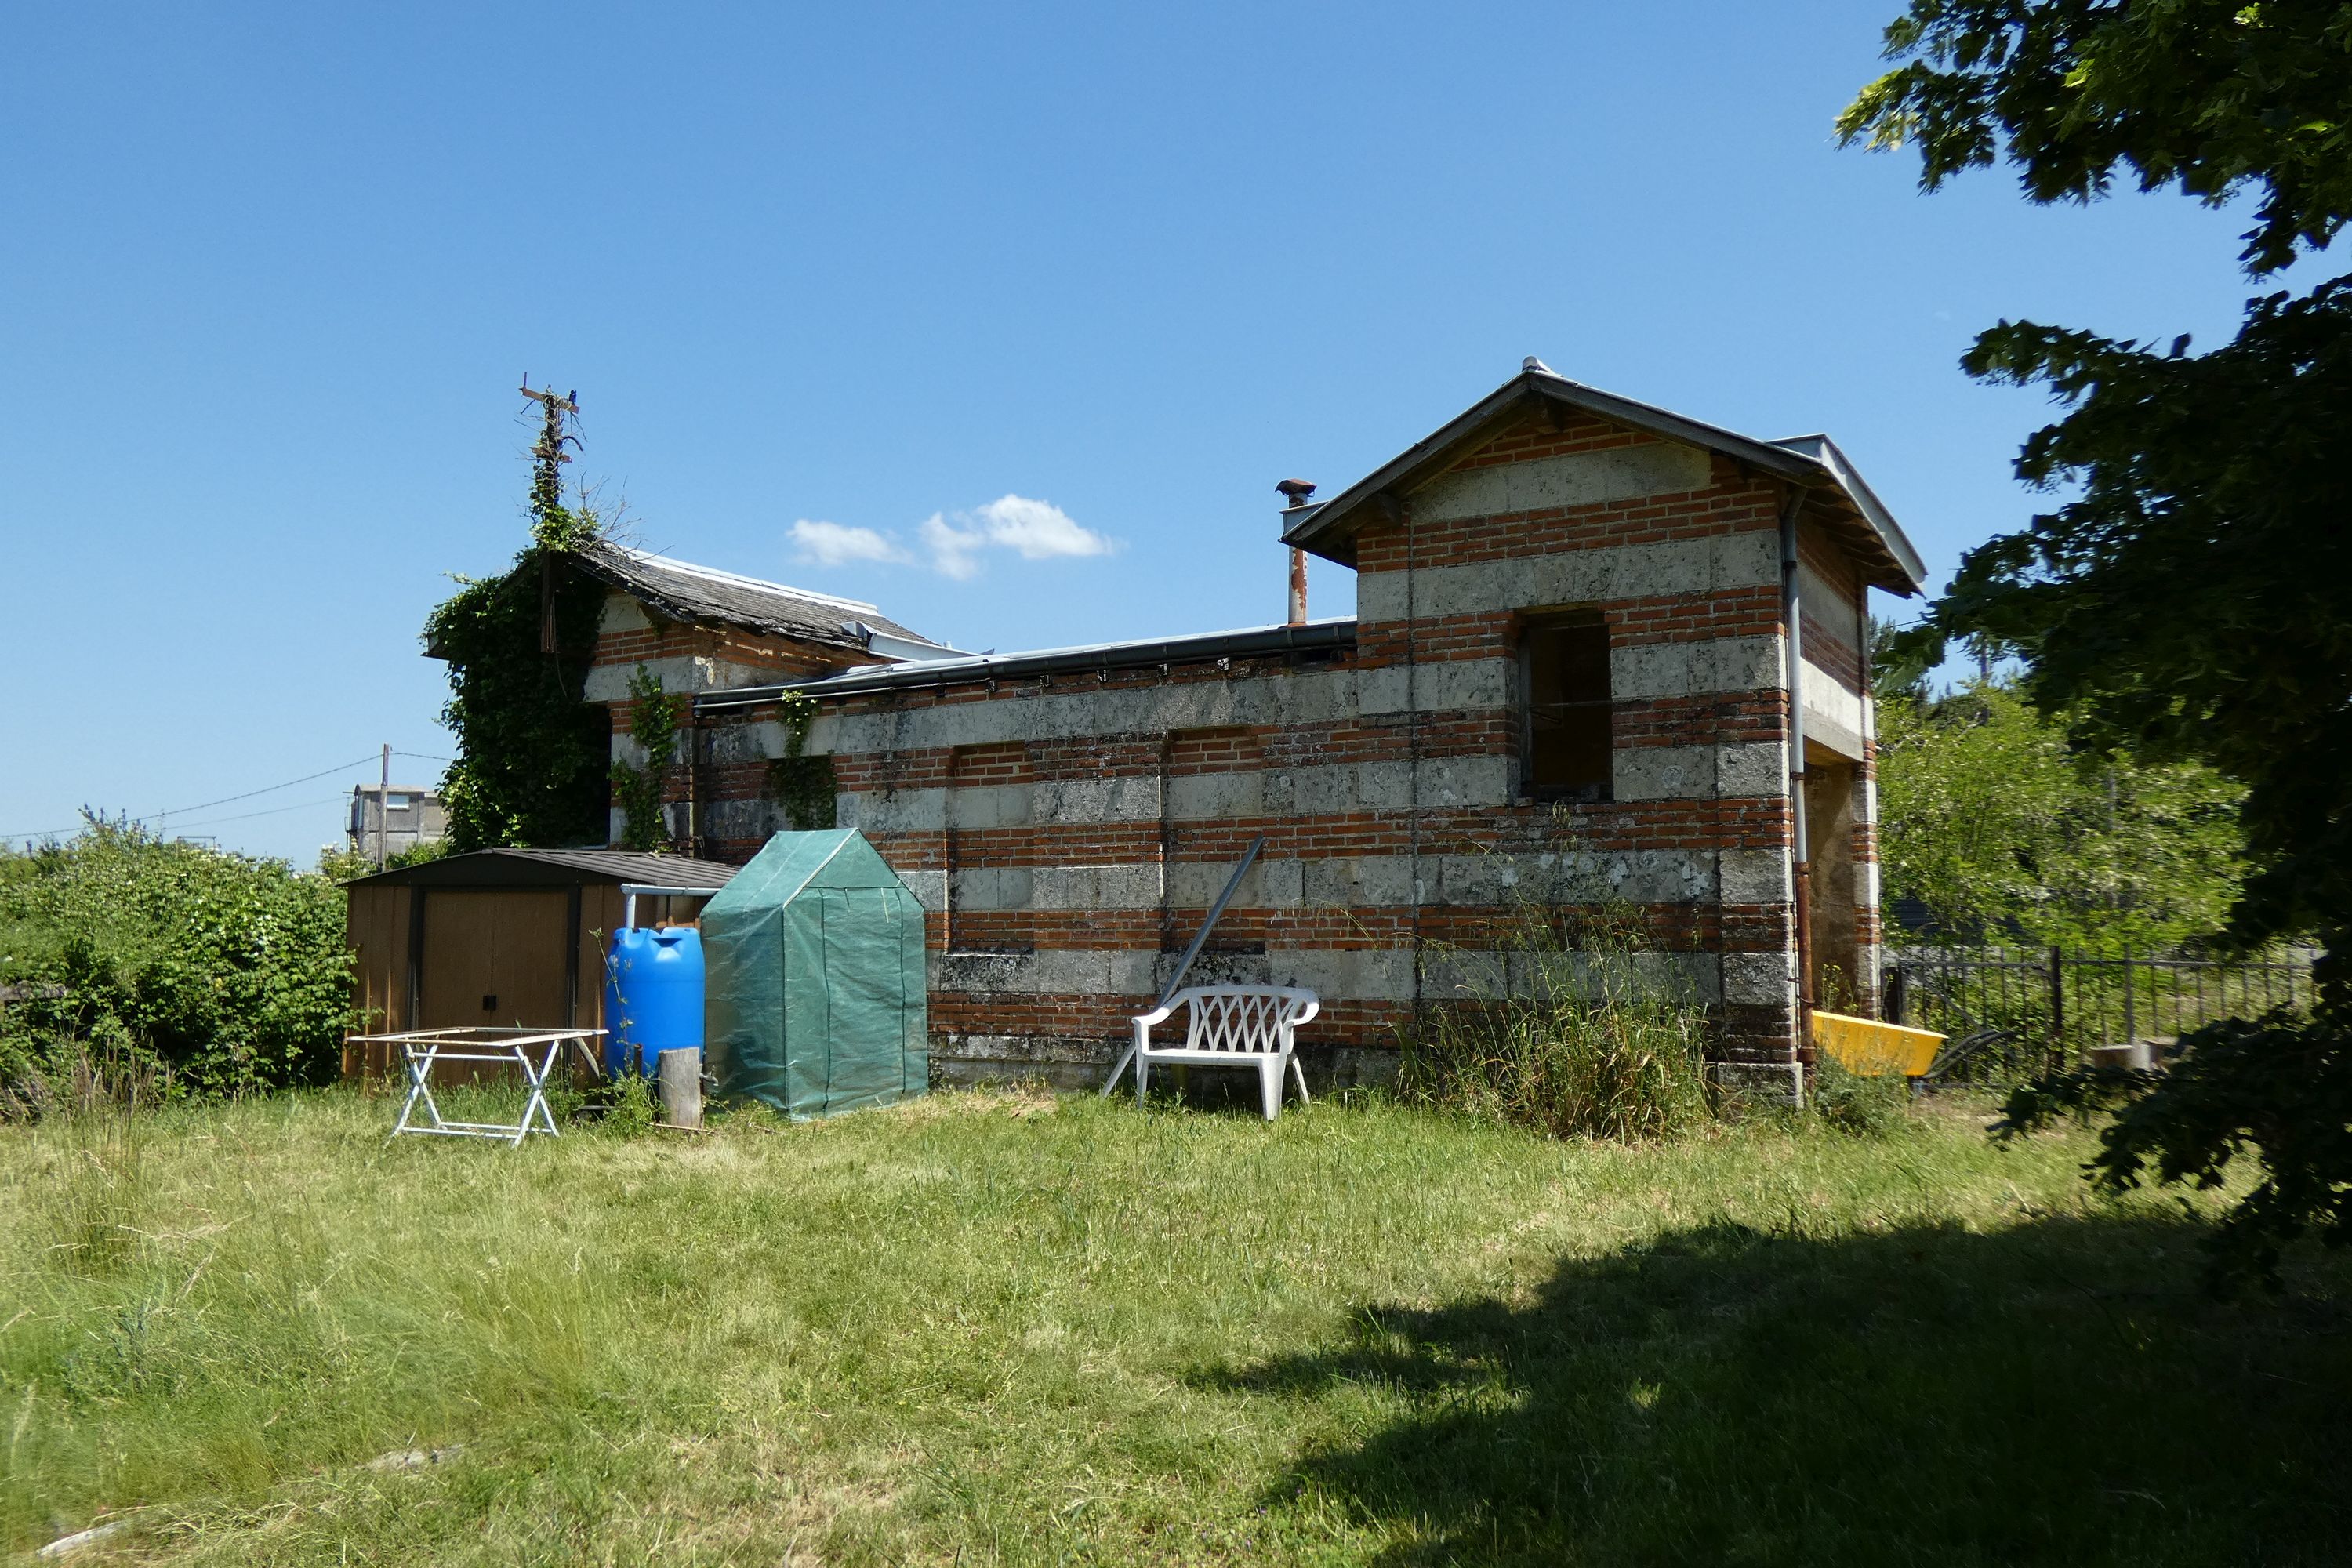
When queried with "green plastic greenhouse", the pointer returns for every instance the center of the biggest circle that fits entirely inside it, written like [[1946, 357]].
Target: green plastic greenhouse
[[817, 982]]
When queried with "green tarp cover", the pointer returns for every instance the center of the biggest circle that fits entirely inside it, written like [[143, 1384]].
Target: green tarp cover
[[817, 982]]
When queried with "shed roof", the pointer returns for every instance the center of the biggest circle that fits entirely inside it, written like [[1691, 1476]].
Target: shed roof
[[683, 592], [552, 868], [1843, 501]]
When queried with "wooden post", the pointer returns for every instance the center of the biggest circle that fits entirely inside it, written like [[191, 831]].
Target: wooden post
[[681, 1086]]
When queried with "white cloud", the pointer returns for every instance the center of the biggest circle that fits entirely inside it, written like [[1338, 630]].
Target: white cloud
[[955, 541], [955, 551], [838, 545], [1038, 530]]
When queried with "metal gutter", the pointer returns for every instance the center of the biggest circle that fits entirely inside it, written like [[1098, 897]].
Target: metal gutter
[[1801, 871], [1199, 649]]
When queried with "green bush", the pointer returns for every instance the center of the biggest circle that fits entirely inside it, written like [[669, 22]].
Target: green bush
[[214, 973]]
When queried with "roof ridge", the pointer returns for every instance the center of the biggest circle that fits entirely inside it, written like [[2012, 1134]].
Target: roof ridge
[[695, 570]]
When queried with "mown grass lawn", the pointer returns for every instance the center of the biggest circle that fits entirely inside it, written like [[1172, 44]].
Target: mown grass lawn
[[1005, 1328]]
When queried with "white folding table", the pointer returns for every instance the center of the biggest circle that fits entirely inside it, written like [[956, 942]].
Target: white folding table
[[534, 1051]]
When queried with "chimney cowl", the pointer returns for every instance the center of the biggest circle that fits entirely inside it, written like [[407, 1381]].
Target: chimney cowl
[[1295, 492]]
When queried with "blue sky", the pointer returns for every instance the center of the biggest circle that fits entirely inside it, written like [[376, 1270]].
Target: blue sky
[[270, 276]]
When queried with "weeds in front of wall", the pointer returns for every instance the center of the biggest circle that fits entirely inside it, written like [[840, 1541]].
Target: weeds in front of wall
[[1558, 1026], [1847, 1102], [621, 1107]]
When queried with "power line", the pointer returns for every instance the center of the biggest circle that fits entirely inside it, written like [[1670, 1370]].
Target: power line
[[206, 805], [270, 811]]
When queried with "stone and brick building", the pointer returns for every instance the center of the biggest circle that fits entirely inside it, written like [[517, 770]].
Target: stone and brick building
[[1569, 678]]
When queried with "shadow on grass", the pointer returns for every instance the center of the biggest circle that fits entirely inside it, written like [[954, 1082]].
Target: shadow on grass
[[2058, 1391]]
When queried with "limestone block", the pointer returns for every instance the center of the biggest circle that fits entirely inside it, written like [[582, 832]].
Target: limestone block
[[1217, 797], [1663, 773], [1383, 974], [1308, 792], [1545, 484], [1755, 876], [1384, 786], [1756, 769], [1763, 979], [1451, 782], [896, 811], [929, 885], [1118, 887], [994, 888], [1382, 690], [1696, 668], [971, 807], [1097, 800]]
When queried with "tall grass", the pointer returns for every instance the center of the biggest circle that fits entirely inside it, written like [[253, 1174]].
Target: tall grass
[[1564, 1024], [94, 1203]]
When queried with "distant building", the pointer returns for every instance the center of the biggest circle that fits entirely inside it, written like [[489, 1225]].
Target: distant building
[[408, 815]]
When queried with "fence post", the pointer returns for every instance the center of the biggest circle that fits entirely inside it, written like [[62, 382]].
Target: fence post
[[2131, 1024], [1896, 1005], [2058, 1000]]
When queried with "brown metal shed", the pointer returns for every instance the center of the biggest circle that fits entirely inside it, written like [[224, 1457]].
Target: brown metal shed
[[500, 936]]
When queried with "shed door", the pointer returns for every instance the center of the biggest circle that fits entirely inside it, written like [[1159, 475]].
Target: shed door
[[494, 957]]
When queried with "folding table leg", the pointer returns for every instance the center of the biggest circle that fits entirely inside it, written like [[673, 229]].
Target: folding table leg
[[420, 1073], [537, 1105]]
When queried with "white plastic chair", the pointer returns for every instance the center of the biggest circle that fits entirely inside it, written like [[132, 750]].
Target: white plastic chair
[[1229, 1026]]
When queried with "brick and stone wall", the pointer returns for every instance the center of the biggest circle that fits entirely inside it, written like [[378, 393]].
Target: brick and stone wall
[[1067, 832]]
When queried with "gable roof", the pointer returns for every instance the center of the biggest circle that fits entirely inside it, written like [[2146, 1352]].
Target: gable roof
[[1841, 499], [679, 591]]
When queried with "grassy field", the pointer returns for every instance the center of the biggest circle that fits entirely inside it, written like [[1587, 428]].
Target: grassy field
[[1003, 1328]]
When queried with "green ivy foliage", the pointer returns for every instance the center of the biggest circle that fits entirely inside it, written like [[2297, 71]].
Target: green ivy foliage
[[219, 974], [637, 789], [532, 756], [803, 787]]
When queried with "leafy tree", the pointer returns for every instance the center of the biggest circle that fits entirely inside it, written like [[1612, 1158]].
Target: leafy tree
[[533, 757], [2000, 828], [2188, 600]]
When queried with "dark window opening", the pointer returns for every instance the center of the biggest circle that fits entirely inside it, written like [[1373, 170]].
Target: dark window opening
[[1564, 665]]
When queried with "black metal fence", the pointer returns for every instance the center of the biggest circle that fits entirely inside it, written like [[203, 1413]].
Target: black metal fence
[[2053, 1004]]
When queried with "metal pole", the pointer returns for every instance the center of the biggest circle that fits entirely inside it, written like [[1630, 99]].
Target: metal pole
[[2058, 1001], [1800, 870], [2131, 1024], [1216, 911], [382, 802]]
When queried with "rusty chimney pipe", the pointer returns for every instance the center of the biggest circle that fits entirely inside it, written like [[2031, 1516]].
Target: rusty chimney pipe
[[1294, 496]]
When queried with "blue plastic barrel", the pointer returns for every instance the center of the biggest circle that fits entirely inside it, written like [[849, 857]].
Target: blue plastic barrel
[[653, 997]]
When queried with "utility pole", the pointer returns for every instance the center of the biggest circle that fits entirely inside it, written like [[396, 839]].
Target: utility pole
[[383, 801], [550, 524]]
